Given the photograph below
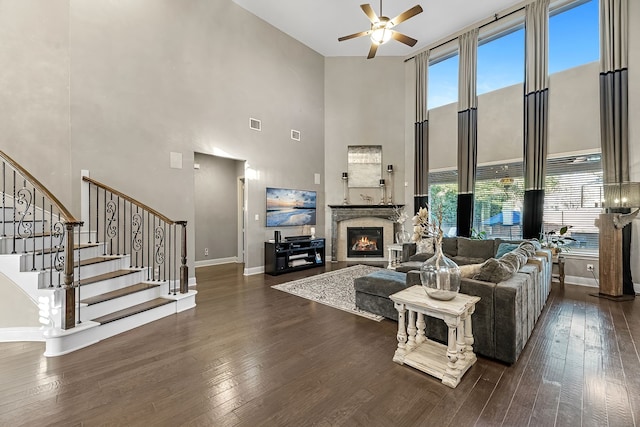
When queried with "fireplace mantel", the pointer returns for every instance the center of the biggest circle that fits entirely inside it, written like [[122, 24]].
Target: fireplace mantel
[[344, 212]]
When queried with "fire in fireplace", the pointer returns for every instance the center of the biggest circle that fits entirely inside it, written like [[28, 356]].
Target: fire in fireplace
[[365, 242]]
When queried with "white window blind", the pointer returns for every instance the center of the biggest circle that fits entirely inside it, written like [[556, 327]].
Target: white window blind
[[573, 197]]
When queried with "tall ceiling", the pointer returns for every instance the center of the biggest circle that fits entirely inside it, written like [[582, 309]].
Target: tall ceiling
[[319, 23]]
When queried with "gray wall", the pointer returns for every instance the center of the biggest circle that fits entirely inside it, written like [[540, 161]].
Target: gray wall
[[216, 214], [131, 82], [34, 83]]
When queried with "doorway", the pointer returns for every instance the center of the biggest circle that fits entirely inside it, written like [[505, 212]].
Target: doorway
[[220, 200]]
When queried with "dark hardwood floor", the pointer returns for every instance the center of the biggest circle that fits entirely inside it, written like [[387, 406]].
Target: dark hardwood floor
[[250, 355]]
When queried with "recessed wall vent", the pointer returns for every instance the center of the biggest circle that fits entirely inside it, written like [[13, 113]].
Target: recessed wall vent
[[295, 135], [255, 124]]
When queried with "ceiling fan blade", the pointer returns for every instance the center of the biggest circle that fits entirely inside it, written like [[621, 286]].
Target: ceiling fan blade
[[366, 8], [403, 39], [372, 51], [353, 36], [406, 15]]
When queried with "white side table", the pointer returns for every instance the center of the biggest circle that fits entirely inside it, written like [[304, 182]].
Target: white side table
[[395, 255], [448, 363]]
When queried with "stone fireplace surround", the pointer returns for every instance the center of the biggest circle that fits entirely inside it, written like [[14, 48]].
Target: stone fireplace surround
[[360, 216]]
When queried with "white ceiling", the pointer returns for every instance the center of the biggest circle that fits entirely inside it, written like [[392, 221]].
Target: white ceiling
[[319, 23]]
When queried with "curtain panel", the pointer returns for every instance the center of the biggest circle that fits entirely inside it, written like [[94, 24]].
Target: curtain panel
[[467, 130], [421, 134], [536, 108], [614, 112]]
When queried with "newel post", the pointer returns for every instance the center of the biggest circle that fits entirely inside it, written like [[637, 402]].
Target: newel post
[[184, 270], [69, 292]]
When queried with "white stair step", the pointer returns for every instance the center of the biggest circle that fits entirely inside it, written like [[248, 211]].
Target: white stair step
[[104, 304]]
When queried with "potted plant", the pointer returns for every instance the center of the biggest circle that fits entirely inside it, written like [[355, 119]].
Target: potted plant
[[557, 240]]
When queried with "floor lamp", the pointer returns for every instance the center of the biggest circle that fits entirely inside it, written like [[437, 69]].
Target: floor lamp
[[614, 252]]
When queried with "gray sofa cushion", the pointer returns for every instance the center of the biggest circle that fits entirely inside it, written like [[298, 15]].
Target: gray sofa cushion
[[450, 246], [461, 260], [408, 266], [420, 257], [473, 248]]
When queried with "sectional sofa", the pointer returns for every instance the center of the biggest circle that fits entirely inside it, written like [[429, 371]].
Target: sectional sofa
[[510, 302]]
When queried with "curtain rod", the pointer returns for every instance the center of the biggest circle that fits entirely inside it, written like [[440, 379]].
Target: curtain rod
[[496, 18]]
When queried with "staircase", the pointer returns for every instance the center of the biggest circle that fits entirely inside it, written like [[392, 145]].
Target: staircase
[[124, 269]]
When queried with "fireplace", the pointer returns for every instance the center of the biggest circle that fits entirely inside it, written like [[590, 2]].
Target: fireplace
[[365, 242]]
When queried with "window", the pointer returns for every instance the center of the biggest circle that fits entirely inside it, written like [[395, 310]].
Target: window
[[501, 61], [573, 196], [443, 190], [498, 197], [573, 36], [443, 82]]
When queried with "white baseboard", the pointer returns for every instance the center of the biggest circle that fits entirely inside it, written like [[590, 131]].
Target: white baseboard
[[254, 270], [580, 281], [15, 334], [218, 261], [591, 283]]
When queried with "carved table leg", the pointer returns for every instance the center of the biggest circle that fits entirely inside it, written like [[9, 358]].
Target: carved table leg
[[400, 353], [460, 342], [421, 326], [411, 329], [468, 337], [452, 375]]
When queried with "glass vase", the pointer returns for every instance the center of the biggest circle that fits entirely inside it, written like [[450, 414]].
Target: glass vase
[[403, 236], [440, 276]]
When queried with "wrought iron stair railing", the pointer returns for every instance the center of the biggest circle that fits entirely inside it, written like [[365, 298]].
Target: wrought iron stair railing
[[153, 242], [36, 223]]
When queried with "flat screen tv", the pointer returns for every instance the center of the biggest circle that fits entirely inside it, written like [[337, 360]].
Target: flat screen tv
[[287, 207]]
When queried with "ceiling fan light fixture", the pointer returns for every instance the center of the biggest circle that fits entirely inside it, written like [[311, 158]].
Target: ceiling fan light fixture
[[381, 31], [380, 35]]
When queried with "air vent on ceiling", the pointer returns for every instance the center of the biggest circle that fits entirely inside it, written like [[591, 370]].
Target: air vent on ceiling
[[295, 135], [255, 124]]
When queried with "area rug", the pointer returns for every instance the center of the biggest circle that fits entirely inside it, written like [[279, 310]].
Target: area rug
[[334, 289]]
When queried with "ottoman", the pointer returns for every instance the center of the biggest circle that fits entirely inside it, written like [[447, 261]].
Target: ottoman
[[373, 290]]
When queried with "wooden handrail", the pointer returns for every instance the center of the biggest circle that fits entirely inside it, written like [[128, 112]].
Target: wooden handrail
[[129, 199], [64, 212]]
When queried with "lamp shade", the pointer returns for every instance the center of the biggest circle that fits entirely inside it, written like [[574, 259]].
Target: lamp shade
[[622, 195]]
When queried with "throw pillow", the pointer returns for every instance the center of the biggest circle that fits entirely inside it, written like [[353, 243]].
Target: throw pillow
[[516, 258], [504, 248], [529, 248], [425, 246], [470, 270], [495, 271]]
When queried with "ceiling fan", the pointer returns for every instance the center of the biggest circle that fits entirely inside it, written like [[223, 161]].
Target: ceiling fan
[[381, 28]]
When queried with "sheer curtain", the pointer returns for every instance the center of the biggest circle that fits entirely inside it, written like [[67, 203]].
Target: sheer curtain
[[467, 130], [536, 108], [421, 133]]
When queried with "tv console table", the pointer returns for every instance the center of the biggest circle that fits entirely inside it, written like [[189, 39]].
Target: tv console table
[[293, 255]]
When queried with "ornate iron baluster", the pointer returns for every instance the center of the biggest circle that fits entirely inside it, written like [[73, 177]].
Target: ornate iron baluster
[[15, 232], [25, 227], [4, 206], [159, 248], [111, 210], [137, 226], [58, 235]]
